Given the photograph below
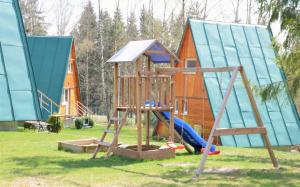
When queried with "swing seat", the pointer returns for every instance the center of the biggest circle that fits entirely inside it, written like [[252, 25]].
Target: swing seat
[[216, 152], [173, 146]]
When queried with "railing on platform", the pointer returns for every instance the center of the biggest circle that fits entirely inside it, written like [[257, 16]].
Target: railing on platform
[[155, 91]]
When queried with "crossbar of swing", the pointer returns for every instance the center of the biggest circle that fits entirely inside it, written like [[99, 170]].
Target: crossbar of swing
[[260, 129], [203, 70]]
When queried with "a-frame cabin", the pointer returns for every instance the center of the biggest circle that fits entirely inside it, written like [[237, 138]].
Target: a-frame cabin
[[212, 44]]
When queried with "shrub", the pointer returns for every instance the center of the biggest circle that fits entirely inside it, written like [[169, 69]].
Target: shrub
[[88, 120], [55, 124], [78, 123]]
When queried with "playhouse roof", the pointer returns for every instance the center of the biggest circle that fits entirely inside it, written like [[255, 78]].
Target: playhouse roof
[[220, 45], [134, 49], [19, 100], [50, 58]]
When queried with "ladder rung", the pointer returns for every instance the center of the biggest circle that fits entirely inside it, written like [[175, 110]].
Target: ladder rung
[[109, 131], [106, 144], [115, 119]]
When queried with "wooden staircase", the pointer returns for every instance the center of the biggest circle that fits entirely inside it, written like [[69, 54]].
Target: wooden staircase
[[118, 124]]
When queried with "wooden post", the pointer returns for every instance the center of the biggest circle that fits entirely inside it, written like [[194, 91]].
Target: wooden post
[[147, 90], [116, 74], [138, 104], [258, 118], [172, 111], [216, 123]]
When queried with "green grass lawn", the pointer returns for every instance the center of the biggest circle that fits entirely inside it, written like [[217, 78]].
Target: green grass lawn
[[28, 158]]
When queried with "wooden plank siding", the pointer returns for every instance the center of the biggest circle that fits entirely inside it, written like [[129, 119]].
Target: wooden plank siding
[[72, 83], [190, 86]]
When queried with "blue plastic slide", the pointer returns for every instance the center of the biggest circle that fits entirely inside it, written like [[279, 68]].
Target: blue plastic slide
[[189, 134]]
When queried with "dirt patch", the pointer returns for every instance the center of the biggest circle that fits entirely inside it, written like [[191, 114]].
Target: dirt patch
[[177, 164], [30, 182], [221, 170], [295, 149]]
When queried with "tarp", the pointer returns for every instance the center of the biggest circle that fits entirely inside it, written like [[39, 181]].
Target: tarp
[[50, 58], [18, 96], [221, 45], [134, 49]]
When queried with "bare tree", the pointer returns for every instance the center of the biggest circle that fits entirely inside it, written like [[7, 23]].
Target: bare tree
[[63, 11], [236, 6], [249, 11], [205, 10], [102, 63]]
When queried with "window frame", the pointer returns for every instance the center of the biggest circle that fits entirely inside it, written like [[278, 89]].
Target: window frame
[[176, 106], [185, 107], [69, 68], [186, 64]]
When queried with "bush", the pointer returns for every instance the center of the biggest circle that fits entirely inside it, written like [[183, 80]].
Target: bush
[[55, 124], [88, 120], [78, 123]]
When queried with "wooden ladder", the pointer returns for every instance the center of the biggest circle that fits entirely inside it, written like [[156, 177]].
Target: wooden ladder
[[117, 129]]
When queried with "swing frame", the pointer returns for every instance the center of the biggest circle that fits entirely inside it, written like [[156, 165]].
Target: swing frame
[[215, 131]]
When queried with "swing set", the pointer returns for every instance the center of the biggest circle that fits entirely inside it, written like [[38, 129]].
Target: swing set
[[151, 88]]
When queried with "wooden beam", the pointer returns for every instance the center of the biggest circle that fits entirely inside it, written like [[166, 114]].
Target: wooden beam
[[258, 118], [172, 111], [235, 131], [217, 122], [174, 70], [158, 52], [116, 73], [138, 104], [147, 93]]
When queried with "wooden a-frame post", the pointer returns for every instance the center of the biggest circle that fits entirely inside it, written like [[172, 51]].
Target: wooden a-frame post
[[215, 132]]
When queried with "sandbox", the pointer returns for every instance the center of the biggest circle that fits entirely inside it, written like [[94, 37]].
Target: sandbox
[[149, 152], [79, 146]]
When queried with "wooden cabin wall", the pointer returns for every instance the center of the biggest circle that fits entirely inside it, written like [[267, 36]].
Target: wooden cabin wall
[[72, 83], [190, 86]]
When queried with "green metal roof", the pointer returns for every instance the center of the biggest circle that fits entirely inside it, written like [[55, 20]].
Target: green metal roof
[[18, 94], [221, 45], [50, 57]]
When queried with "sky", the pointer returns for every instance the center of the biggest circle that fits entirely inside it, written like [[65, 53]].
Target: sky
[[218, 10]]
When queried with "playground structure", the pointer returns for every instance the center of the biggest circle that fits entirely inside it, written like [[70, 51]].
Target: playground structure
[[153, 90], [140, 92]]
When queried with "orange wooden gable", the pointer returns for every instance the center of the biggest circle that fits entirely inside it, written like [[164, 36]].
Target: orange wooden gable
[[71, 83]]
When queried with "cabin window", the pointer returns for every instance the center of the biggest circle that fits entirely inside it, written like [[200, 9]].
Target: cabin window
[[190, 63], [176, 106], [185, 107], [70, 68], [65, 96]]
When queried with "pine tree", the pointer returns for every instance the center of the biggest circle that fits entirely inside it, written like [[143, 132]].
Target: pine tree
[[287, 12], [175, 30], [86, 36], [33, 17], [118, 30], [131, 28], [145, 24]]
